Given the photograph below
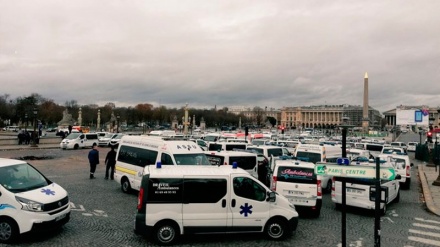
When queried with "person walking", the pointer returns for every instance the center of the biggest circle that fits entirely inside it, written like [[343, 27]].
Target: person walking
[[110, 162], [93, 160]]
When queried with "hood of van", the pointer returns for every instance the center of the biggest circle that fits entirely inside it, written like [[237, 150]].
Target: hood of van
[[47, 194]]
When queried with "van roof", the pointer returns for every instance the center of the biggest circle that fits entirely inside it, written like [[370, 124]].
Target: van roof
[[189, 170], [294, 163], [231, 153], [174, 146], [10, 162]]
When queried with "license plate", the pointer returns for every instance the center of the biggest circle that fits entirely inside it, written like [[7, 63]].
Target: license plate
[[354, 191], [297, 201], [292, 192], [60, 217]]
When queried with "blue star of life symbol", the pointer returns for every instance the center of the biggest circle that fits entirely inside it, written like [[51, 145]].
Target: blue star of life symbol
[[246, 209], [48, 191]]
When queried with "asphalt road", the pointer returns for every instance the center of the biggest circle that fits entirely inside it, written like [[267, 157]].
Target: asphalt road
[[102, 215]]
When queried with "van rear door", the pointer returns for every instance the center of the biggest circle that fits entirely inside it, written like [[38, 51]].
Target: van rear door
[[298, 184]]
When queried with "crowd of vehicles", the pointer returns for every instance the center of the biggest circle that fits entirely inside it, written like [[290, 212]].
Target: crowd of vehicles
[[180, 181]]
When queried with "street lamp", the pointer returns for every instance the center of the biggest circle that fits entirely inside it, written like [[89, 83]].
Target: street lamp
[[34, 134], [344, 127], [117, 126], [25, 119]]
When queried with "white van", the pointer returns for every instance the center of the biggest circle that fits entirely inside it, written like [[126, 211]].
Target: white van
[[402, 166], [136, 152], [360, 192], [77, 140], [297, 181], [247, 161], [180, 200], [29, 201], [316, 153]]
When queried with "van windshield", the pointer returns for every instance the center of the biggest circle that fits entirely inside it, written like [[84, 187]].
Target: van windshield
[[192, 159], [72, 135], [296, 175], [309, 157], [21, 178]]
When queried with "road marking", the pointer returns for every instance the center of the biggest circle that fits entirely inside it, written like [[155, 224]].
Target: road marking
[[425, 241], [430, 221], [357, 243], [431, 234], [427, 226], [73, 207], [388, 218]]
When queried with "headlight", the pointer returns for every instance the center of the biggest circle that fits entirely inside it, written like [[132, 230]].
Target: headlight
[[30, 205]]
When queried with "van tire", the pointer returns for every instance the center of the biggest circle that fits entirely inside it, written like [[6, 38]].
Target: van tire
[[125, 185], [397, 199], [76, 146], [8, 230], [328, 188], [166, 232], [407, 184], [383, 211], [276, 229]]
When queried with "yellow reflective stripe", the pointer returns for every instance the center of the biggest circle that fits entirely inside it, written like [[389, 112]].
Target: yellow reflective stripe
[[125, 170]]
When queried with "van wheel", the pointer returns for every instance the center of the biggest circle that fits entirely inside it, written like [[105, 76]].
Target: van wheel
[[125, 185], [383, 211], [8, 230], [397, 199], [276, 229], [328, 188], [76, 146], [166, 233], [407, 184]]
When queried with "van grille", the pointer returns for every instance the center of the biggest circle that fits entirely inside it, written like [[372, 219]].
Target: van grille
[[55, 205]]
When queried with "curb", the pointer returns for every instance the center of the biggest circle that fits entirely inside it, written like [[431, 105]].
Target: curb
[[426, 192]]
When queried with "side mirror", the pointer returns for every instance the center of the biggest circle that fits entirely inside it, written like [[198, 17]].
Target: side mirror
[[398, 177], [271, 196]]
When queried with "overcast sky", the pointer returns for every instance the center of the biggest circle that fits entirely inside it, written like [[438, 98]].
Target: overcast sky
[[225, 53]]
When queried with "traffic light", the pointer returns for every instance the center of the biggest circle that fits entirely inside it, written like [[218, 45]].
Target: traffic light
[[282, 130], [429, 135]]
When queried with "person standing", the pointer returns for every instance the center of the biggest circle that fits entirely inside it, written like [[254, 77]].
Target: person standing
[[110, 162], [93, 160]]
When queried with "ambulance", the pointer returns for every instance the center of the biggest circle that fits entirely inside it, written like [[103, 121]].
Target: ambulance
[[136, 152], [29, 201], [182, 200]]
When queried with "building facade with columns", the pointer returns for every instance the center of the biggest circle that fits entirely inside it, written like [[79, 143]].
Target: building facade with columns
[[326, 116]]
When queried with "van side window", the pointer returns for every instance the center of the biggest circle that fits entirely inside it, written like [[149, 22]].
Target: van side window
[[204, 190], [137, 156], [244, 162], [275, 152], [166, 159], [248, 188]]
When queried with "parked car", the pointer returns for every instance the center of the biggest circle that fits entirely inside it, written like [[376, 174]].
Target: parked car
[[411, 146]]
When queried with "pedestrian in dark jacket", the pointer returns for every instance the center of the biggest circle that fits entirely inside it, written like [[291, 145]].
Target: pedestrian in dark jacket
[[93, 160], [110, 162]]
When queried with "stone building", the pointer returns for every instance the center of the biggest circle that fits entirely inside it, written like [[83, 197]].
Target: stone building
[[326, 116]]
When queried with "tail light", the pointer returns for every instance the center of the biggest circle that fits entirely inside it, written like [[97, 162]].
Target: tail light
[[319, 190], [407, 170], [140, 198], [274, 183]]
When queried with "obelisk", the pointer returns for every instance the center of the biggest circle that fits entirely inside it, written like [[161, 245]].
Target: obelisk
[[365, 118]]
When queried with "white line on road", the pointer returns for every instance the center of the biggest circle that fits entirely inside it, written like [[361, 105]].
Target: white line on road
[[425, 241], [432, 234], [430, 221], [427, 226]]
